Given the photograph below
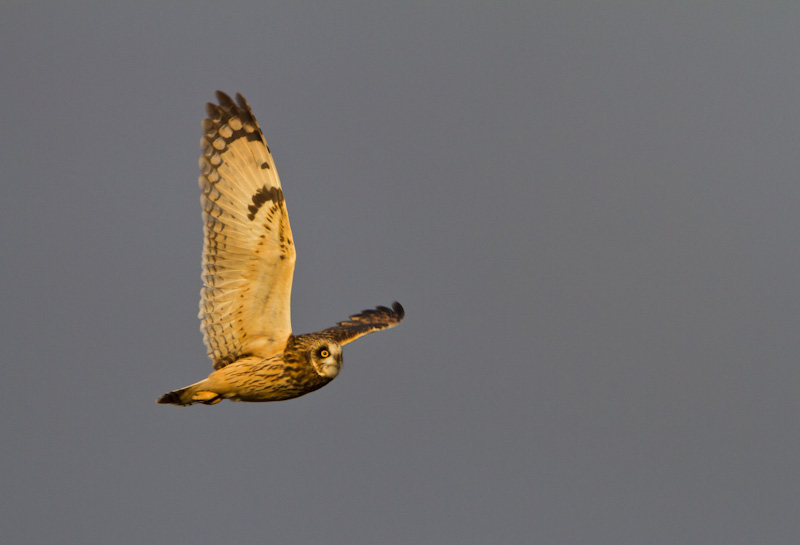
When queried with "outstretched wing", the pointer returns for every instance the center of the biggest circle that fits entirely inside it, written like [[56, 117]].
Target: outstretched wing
[[368, 321], [248, 255]]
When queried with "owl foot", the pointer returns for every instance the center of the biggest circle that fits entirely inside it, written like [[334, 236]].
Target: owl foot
[[207, 397]]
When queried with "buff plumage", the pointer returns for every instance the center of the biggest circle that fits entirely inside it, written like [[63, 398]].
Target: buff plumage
[[248, 267]]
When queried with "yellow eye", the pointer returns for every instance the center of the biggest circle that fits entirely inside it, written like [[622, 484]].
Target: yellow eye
[[324, 353]]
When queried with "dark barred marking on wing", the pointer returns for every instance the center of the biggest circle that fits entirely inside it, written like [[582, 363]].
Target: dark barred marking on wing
[[233, 121], [272, 194]]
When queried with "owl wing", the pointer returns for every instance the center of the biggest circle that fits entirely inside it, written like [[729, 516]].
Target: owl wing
[[248, 254], [366, 322]]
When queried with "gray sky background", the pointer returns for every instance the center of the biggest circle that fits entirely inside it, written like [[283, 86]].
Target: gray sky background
[[590, 215]]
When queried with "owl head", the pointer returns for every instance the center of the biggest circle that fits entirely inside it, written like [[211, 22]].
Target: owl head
[[323, 353], [323, 349], [326, 357]]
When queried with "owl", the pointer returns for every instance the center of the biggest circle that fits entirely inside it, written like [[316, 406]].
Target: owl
[[248, 264]]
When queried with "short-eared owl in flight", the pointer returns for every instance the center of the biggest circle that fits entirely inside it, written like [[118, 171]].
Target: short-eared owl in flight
[[248, 263]]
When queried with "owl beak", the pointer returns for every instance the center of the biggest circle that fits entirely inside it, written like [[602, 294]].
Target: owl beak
[[330, 370]]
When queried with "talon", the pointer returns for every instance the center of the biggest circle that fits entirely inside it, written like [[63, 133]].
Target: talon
[[208, 397]]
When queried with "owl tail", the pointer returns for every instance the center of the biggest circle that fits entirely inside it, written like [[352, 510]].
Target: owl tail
[[191, 395]]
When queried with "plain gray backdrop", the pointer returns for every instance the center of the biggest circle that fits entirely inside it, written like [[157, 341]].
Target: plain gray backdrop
[[589, 212]]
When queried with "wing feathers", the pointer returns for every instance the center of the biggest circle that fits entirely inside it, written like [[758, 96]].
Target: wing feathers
[[366, 322], [249, 255]]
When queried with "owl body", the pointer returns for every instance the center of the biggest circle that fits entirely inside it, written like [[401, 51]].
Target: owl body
[[248, 266], [308, 363]]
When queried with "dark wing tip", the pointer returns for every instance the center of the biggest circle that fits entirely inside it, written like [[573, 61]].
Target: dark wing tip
[[242, 102], [223, 99], [213, 111], [399, 310], [227, 104], [367, 321], [379, 315]]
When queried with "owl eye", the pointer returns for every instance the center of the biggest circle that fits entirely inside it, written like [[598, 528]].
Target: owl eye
[[324, 353]]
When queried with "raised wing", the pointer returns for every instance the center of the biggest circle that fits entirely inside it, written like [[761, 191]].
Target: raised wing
[[368, 321], [248, 255]]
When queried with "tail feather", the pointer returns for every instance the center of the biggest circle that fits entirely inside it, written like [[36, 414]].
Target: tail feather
[[174, 398]]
